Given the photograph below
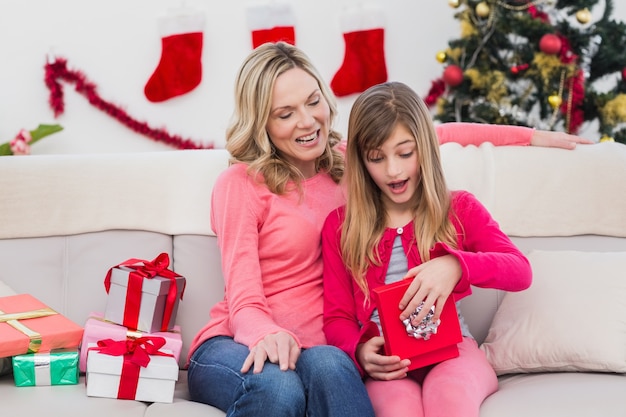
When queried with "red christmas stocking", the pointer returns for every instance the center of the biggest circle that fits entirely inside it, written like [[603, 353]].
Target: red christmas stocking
[[364, 60], [180, 67], [271, 23]]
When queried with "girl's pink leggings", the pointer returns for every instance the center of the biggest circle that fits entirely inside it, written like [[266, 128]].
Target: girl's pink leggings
[[453, 388]]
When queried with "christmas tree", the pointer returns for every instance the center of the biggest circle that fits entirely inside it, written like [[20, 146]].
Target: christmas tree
[[548, 64]]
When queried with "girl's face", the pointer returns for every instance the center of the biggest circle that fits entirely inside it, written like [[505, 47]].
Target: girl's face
[[299, 119], [395, 169]]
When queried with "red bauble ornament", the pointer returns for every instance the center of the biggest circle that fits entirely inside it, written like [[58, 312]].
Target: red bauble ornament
[[624, 74], [519, 68], [550, 44], [453, 75]]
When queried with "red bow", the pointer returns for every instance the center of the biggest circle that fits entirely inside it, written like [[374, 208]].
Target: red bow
[[146, 269], [138, 350]]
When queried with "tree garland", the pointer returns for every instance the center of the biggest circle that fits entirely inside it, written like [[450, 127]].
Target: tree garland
[[57, 70]]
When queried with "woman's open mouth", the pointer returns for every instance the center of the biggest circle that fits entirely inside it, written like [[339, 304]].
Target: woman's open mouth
[[309, 138]]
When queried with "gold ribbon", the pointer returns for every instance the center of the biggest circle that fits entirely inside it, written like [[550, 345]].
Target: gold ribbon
[[130, 334], [34, 337]]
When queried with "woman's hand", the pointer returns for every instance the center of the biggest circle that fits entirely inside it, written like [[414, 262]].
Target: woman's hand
[[378, 366], [280, 348], [550, 139], [433, 282]]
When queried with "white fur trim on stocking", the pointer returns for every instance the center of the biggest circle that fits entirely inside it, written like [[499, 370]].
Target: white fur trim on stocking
[[270, 16], [362, 18], [179, 21]]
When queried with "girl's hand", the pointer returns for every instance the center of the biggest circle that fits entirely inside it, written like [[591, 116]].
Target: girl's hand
[[550, 139], [378, 366], [433, 282], [280, 348]]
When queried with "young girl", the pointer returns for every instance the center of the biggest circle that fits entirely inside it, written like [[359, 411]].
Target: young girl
[[401, 222]]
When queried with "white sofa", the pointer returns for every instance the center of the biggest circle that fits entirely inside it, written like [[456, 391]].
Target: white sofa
[[66, 219]]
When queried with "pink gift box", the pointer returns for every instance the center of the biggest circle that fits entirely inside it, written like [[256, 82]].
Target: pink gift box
[[97, 328], [28, 326]]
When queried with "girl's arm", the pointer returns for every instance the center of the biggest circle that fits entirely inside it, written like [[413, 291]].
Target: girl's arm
[[500, 135], [488, 258]]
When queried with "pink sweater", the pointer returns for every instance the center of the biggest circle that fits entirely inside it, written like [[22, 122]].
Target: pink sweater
[[271, 248], [487, 256]]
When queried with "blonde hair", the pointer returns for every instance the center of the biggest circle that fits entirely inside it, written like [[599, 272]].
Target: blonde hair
[[373, 117], [246, 136]]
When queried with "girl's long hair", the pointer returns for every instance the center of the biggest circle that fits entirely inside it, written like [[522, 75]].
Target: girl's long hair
[[246, 136], [373, 117]]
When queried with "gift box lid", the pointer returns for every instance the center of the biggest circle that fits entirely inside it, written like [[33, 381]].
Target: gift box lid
[[160, 367], [156, 286]]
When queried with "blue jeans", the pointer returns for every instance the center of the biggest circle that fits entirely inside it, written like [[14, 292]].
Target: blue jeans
[[324, 384]]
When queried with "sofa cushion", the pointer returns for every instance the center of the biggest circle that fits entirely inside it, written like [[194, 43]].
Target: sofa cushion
[[570, 319], [519, 185]]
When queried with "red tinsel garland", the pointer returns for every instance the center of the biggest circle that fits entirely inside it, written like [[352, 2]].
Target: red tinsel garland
[[58, 70], [572, 108], [536, 14], [576, 112], [437, 88]]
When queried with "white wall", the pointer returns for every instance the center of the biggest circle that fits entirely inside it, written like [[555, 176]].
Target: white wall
[[116, 44]]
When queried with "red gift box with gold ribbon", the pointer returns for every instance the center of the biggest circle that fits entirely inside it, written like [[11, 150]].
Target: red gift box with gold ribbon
[[29, 326], [437, 347], [143, 295]]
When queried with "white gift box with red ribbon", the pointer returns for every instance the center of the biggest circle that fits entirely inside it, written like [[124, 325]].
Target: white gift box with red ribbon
[[143, 295], [114, 374]]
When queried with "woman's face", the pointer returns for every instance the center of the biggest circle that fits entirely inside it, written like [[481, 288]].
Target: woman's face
[[298, 124], [395, 169]]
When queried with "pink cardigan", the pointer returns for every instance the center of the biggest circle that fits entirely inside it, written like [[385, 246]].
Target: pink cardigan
[[488, 259]]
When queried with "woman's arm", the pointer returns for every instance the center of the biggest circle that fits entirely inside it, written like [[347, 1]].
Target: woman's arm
[[501, 135], [234, 217], [549, 139]]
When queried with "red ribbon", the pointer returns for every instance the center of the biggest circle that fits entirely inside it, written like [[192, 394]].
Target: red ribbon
[[146, 269], [136, 356]]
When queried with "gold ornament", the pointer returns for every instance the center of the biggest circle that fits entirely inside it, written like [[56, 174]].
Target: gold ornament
[[441, 56], [606, 138], [583, 16], [483, 9], [454, 3], [555, 101]]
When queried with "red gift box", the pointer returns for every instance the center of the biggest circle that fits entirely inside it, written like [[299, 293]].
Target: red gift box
[[439, 346], [27, 326]]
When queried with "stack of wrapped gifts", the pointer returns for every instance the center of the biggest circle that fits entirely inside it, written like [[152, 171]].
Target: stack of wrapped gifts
[[42, 344], [131, 351]]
